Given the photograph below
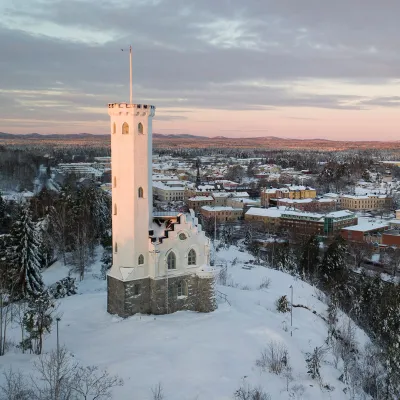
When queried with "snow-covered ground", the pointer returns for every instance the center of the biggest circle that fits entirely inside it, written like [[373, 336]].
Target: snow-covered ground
[[195, 356]]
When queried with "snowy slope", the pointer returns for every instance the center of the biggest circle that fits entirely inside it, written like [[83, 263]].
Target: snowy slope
[[196, 356]]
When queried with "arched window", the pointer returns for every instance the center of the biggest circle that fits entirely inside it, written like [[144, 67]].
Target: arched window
[[192, 257], [140, 192], [115, 182], [115, 247], [115, 209], [181, 289], [141, 259], [125, 128], [140, 128], [114, 128], [171, 260]]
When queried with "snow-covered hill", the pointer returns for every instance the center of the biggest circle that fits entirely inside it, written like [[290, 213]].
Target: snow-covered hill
[[198, 356]]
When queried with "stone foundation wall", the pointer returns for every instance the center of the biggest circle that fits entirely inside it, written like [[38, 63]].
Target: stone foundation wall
[[124, 300]]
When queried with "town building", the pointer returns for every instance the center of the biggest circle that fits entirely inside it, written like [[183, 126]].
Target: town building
[[310, 204], [160, 261], [367, 202], [222, 214], [195, 203], [365, 231], [270, 217], [169, 190], [315, 223], [290, 192]]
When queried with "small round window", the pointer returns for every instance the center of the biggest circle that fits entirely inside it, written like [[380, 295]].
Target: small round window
[[182, 236]]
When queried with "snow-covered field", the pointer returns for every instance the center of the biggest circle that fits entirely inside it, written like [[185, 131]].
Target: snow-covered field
[[195, 356]]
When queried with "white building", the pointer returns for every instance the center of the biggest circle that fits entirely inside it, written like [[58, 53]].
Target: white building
[[161, 261], [169, 190]]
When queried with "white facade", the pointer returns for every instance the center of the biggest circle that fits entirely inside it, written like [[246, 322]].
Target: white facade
[[142, 242], [132, 199]]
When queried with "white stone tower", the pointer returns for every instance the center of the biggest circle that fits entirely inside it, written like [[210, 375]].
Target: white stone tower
[[132, 199], [160, 262]]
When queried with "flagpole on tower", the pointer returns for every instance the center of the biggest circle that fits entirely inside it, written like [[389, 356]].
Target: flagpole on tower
[[130, 74]]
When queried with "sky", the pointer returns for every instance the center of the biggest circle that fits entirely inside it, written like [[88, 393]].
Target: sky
[[234, 68]]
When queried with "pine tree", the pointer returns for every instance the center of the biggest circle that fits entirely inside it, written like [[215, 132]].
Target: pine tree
[[37, 321], [309, 260], [25, 254], [333, 268]]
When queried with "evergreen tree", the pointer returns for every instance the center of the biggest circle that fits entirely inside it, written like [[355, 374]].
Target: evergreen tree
[[37, 321], [285, 259], [333, 268], [106, 261], [2, 209], [25, 254], [309, 260]]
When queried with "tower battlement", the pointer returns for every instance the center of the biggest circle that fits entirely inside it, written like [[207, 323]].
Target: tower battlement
[[136, 109]]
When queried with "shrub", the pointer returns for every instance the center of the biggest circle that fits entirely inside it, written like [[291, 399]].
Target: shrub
[[282, 304], [64, 287], [246, 392], [265, 284], [274, 358]]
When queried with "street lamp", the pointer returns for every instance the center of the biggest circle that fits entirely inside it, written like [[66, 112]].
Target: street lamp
[[58, 319], [291, 311]]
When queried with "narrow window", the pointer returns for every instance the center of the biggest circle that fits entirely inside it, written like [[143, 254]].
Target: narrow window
[[140, 128], [114, 128], [140, 192], [125, 128], [136, 290], [141, 259], [181, 289], [192, 257], [115, 182], [115, 209], [116, 247], [171, 260]]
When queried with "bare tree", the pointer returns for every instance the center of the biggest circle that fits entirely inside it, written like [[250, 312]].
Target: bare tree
[[62, 378], [19, 310], [157, 392], [359, 252], [91, 383], [55, 371], [81, 253], [15, 387], [60, 219]]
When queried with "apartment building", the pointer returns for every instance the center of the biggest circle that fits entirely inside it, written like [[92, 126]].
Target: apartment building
[[310, 204], [365, 231], [222, 214], [290, 192], [365, 203], [315, 223], [197, 202], [269, 216], [169, 190]]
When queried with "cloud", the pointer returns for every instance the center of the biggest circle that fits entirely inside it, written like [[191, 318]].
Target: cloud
[[62, 59]]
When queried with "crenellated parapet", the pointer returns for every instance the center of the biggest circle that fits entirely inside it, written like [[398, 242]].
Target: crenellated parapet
[[131, 109]]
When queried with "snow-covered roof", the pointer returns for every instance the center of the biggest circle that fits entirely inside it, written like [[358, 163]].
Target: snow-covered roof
[[272, 212], [365, 226], [221, 208], [221, 194], [340, 214], [240, 194], [201, 198]]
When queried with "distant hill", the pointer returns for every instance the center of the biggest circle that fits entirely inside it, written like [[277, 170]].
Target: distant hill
[[182, 140]]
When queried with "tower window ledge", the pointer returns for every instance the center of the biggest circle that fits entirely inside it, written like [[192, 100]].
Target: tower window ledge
[[182, 297]]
